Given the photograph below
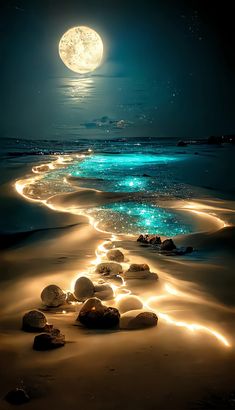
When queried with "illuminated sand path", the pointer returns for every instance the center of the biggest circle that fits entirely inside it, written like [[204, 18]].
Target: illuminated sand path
[[22, 187]]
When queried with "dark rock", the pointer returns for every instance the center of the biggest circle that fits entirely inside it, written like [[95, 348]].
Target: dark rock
[[182, 144], [167, 245], [49, 341], [155, 240], [34, 321], [17, 396], [94, 315], [149, 239], [143, 238], [180, 251], [146, 175]]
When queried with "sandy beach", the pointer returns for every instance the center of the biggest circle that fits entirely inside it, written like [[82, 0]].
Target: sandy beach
[[171, 366]]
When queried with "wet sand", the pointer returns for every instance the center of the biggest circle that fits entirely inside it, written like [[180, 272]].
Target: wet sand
[[165, 367]]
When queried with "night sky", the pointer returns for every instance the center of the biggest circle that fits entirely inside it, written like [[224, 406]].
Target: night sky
[[168, 70]]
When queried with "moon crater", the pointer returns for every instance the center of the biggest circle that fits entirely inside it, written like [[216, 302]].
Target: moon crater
[[81, 49]]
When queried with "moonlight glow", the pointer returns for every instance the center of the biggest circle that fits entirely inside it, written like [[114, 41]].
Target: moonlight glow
[[81, 49]]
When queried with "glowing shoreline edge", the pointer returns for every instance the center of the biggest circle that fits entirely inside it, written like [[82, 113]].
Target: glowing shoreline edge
[[101, 251]]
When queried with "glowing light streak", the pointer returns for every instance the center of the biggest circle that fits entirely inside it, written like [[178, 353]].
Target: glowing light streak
[[101, 251]]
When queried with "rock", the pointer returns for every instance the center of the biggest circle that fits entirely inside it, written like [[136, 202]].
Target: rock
[[182, 144], [137, 271], [155, 240], [17, 396], [146, 175], [167, 245], [94, 315], [136, 267], [108, 245], [53, 296], [129, 302], [91, 304], [109, 269], [180, 251], [104, 291], [115, 255], [138, 319], [49, 341], [70, 297], [143, 239], [149, 239], [34, 321], [83, 288]]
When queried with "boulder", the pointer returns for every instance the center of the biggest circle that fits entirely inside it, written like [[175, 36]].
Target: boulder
[[94, 315], [83, 288], [138, 319], [103, 291], [17, 396], [49, 341], [167, 245], [115, 255], [34, 321], [129, 302], [109, 269], [53, 296]]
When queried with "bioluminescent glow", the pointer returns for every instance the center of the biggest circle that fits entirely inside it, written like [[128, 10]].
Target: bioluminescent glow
[[135, 217], [145, 216]]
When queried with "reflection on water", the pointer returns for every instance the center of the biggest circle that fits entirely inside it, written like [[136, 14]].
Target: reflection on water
[[76, 90]]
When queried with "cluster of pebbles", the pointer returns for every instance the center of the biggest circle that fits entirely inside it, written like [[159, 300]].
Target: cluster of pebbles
[[126, 311], [166, 247]]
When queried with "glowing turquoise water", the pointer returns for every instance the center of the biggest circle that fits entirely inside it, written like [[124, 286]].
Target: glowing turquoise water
[[134, 217], [143, 176], [126, 172]]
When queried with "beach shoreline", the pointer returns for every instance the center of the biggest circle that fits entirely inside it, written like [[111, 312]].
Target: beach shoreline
[[166, 367]]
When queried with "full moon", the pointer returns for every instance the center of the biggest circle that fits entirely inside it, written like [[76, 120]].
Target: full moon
[[81, 49]]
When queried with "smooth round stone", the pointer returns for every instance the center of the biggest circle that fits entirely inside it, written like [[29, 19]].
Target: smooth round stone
[[83, 288], [138, 319], [104, 291], [34, 321], [129, 302], [109, 268], [53, 296], [115, 255]]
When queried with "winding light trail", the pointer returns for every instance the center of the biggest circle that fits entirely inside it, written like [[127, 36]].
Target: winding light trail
[[23, 184]]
